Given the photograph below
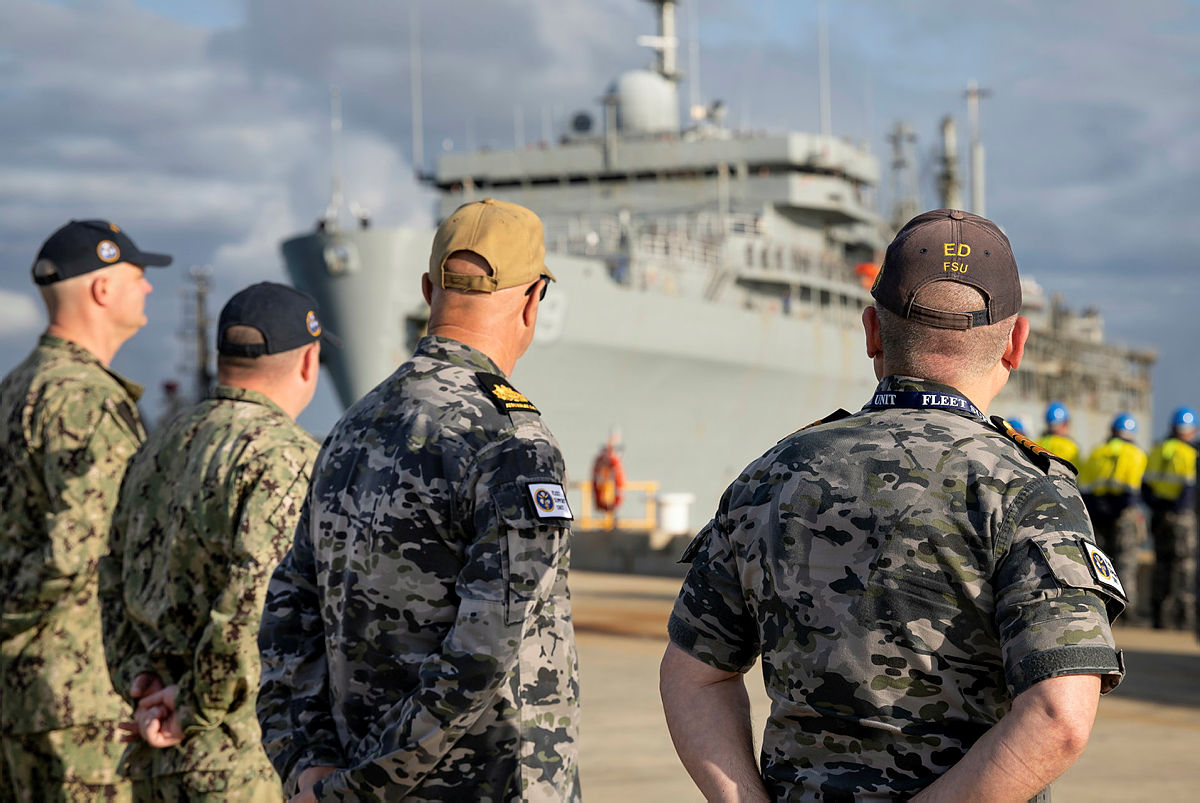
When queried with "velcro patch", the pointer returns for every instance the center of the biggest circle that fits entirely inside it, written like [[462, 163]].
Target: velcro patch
[[503, 395], [549, 500], [1102, 568]]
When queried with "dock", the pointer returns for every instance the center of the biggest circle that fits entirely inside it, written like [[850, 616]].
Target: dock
[[1144, 745]]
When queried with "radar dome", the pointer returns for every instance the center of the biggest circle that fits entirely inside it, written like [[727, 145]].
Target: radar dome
[[646, 103]]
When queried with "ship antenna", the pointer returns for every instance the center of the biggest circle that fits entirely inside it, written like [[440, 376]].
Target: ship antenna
[[418, 136], [666, 42], [823, 68], [693, 77], [974, 94], [335, 137]]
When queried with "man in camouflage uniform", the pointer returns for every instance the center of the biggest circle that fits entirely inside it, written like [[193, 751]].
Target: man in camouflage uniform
[[920, 582], [417, 639], [70, 427], [208, 508]]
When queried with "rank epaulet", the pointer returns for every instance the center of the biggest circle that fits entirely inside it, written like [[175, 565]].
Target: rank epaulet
[[503, 395], [836, 415], [1040, 455]]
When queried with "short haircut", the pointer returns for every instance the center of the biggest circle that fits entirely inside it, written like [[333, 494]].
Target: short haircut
[[265, 365], [946, 355]]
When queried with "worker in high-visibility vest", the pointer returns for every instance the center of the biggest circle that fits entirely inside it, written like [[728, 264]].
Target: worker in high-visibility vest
[[1055, 438], [1111, 482], [1169, 489]]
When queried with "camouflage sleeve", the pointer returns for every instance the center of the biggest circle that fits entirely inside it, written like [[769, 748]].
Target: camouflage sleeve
[[298, 729], [711, 621], [1055, 592], [86, 450], [225, 667], [123, 650], [509, 571]]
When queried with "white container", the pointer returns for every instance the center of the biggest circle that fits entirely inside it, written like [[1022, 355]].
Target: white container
[[673, 512]]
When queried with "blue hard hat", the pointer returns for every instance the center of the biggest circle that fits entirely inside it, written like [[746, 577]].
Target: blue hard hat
[[1056, 413], [1184, 417], [1018, 423], [1124, 423]]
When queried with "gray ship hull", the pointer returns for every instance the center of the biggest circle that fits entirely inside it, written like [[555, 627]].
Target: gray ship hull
[[697, 389]]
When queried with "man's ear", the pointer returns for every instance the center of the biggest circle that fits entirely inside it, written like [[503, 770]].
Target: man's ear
[[310, 361], [530, 307], [100, 288], [870, 319], [427, 288], [1016, 344]]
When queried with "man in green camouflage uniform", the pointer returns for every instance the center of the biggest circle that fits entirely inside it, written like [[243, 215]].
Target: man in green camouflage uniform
[[921, 583], [208, 508], [70, 426], [417, 640]]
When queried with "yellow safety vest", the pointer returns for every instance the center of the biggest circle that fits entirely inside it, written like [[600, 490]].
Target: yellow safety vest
[[1062, 446], [1114, 468], [1171, 469]]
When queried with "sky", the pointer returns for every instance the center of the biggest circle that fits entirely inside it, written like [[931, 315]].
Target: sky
[[203, 129]]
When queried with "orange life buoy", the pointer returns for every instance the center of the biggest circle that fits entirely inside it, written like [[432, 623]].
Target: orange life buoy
[[608, 480]]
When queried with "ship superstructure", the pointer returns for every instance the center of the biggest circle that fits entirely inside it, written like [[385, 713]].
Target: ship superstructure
[[711, 284]]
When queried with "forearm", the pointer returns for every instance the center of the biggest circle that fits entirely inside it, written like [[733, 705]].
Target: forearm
[[709, 721], [1041, 737]]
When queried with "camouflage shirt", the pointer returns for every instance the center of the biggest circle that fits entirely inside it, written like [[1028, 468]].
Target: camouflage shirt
[[207, 510], [419, 632], [70, 427], [904, 574]]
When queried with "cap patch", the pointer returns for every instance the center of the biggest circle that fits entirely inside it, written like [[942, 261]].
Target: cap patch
[[107, 250], [503, 395], [1102, 568], [314, 325], [549, 500]]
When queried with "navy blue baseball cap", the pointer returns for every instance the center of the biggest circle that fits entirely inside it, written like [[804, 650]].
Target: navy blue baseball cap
[[286, 317], [83, 246]]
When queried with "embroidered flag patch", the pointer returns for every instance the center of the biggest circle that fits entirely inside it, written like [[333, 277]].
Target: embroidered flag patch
[[549, 500], [1102, 568]]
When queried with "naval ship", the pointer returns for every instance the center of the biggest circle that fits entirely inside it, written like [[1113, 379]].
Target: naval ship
[[709, 295]]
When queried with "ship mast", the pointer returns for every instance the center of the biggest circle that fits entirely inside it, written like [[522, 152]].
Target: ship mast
[[949, 183], [974, 94], [903, 175], [666, 43]]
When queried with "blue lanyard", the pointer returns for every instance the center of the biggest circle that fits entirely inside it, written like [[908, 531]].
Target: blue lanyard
[[916, 400]]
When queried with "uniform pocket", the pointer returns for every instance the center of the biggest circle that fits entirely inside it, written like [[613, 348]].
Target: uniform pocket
[[532, 551]]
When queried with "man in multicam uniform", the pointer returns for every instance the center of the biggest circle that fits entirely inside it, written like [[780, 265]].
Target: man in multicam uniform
[[417, 640], [70, 426], [921, 582], [207, 510]]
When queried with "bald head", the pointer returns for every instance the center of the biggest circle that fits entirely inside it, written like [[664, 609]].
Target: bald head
[[953, 356], [499, 323]]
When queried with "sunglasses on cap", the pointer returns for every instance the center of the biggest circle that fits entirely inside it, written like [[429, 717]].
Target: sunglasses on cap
[[545, 280]]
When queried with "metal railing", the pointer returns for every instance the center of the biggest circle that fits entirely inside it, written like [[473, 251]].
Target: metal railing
[[591, 519]]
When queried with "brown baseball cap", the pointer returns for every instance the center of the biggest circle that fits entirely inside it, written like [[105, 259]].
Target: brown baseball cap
[[507, 235], [956, 246]]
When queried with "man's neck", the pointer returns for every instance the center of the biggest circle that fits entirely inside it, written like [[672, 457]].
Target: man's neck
[[493, 347], [102, 348]]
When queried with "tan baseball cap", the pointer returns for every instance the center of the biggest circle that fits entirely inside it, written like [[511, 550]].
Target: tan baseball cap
[[507, 235], [949, 245]]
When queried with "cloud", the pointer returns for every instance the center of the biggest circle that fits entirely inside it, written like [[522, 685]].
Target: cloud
[[22, 315], [212, 143]]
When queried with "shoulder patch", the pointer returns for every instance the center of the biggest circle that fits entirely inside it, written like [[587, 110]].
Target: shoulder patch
[[1040, 455], [836, 415], [549, 500], [503, 395], [1102, 568]]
